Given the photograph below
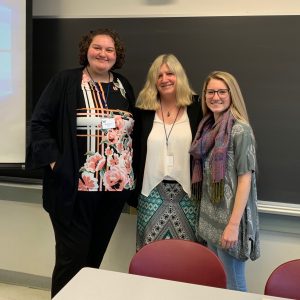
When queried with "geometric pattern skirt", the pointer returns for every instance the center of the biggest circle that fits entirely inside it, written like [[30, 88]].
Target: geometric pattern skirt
[[167, 213]]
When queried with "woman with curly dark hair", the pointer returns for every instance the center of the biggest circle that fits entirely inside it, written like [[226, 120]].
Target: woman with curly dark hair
[[81, 135]]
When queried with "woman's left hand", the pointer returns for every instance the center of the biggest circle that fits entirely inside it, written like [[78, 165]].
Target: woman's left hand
[[231, 232], [230, 236]]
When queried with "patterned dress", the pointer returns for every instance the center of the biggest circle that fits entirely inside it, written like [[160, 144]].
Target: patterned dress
[[167, 213], [104, 127]]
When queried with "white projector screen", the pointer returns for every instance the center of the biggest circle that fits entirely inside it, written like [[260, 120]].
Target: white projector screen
[[12, 81]]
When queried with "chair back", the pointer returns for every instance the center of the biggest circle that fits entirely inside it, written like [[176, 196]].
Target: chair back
[[179, 260], [284, 281]]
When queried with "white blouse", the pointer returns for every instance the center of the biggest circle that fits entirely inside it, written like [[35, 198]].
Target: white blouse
[[170, 162]]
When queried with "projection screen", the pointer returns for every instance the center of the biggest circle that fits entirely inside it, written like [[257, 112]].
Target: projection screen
[[12, 81]]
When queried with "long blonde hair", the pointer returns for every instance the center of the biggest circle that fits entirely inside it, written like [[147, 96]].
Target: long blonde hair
[[237, 106], [148, 96]]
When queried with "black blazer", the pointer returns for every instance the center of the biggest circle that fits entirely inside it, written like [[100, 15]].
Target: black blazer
[[142, 128]]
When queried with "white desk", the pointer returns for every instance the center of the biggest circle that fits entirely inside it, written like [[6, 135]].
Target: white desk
[[95, 284]]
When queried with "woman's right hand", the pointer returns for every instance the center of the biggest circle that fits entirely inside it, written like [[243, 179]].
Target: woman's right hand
[[52, 165]]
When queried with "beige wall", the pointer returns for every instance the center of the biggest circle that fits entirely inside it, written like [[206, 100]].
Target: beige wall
[[27, 242], [154, 8]]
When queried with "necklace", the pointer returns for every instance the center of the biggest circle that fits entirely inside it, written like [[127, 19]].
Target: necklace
[[96, 85], [169, 112], [168, 135]]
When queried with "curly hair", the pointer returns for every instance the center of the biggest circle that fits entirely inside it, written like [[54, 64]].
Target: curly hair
[[86, 40]]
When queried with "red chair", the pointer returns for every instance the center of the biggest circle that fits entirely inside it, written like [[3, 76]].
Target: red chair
[[284, 281], [179, 260]]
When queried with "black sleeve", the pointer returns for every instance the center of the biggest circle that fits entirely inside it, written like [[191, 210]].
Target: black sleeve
[[42, 148], [195, 114]]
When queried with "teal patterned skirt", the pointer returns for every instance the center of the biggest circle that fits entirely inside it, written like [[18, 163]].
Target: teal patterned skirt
[[167, 213]]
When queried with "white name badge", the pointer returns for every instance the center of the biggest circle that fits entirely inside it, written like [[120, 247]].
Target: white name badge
[[170, 160], [108, 123]]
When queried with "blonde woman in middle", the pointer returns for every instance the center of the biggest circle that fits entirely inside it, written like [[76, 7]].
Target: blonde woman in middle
[[167, 116]]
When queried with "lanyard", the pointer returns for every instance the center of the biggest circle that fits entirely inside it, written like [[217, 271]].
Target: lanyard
[[96, 84], [168, 135]]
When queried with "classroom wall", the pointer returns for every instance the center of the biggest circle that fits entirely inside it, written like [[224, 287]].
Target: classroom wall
[[162, 8], [27, 242]]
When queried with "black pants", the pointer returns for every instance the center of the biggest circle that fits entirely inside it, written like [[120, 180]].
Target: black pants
[[83, 243]]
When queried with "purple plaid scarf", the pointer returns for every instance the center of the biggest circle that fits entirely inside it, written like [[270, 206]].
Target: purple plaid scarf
[[211, 137]]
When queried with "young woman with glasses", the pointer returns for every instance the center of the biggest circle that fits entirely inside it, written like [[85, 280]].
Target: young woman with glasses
[[224, 167]]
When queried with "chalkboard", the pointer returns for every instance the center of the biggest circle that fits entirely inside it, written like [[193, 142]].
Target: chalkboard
[[263, 52]]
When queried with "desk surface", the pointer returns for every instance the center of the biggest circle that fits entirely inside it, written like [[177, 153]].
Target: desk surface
[[95, 284]]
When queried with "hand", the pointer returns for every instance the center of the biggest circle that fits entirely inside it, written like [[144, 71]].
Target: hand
[[230, 236], [52, 165]]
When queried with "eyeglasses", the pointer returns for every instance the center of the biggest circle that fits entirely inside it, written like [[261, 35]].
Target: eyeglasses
[[222, 93]]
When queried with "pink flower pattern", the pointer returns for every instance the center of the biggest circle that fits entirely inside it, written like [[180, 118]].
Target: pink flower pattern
[[94, 163], [113, 136], [110, 170], [115, 179], [119, 122], [88, 183]]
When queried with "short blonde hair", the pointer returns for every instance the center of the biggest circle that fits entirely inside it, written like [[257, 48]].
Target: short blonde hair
[[149, 96], [237, 107]]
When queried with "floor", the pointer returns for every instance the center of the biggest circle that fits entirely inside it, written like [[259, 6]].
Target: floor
[[15, 292]]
